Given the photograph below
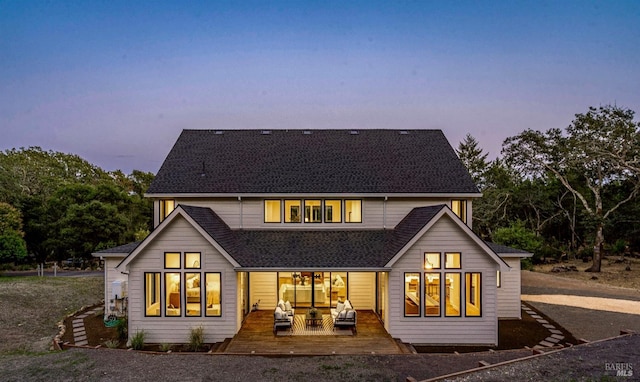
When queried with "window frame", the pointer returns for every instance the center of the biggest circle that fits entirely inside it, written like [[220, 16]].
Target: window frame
[[300, 211], [462, 209], [199, 260], [309, 208], [439, 274], [158, 298], [167, 295], [206, 292], [426, 261], [446, 255], [186, 301], [419, 294], [468, 277], [179, 259], [459, 275], [325, 210], [163, 208], [280, 212], [345, 211]]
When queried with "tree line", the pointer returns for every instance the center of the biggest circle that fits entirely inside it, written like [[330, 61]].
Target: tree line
[[55, 206], [562, 192]]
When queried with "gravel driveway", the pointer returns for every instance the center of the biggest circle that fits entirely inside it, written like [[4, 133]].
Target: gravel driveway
[[554, 296]]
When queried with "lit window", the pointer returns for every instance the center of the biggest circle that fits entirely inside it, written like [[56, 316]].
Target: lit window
[[412, 294], [172, 282], [192, 293], [353, 211], [452, 260], [498, 279], [152, 294], [272, 211], [292, 211], [432, 260], [212, 290], [473, 295], [332, 211], [459, 207], [192, 260], [452, 294], [172, 260], [432, 294], [166, 207], [312, 211]]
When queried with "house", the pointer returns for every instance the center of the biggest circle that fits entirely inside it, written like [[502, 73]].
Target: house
[[244, 218]]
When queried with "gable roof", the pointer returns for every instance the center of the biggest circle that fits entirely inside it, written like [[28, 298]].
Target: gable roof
[[300, 249], [119, 251], [504, 251], [312, 161]]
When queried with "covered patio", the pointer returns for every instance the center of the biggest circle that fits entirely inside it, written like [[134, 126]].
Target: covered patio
[[257, 337]]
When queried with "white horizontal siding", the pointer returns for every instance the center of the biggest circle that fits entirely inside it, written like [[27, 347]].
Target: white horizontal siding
[[263, 287], [509, 292], [362, 290], [444, 236], [180, 236]]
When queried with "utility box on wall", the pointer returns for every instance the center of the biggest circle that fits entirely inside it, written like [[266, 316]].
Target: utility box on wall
[[118, 289]]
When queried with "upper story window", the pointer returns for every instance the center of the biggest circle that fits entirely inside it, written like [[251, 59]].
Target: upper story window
[[353, 211], [272, 211], [312, 211], [459, 207], [432, 260], [452, 260], [166, 207]]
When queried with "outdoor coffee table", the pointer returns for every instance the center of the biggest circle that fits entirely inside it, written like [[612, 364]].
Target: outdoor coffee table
[[313, 320]]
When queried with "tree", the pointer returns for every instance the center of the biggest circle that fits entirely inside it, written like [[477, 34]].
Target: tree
[[12, 244], [602, 146], [474, 159]]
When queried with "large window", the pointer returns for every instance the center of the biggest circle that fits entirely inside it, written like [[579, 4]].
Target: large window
[[172, 287], [166, 207], [213, 293], [186, 294], [452, 260], [459, 207], [353, 211], [152, 294], [452, 294], [432, 294], [192, 293], [272, 211], [412, 294], [431, 260], [473, 294]]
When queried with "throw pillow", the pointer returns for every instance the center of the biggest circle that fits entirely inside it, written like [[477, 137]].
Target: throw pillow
[[340, 307], [287, 306], [347, 305]]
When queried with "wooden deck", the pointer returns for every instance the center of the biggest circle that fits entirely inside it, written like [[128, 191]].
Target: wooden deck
[[256, 337]]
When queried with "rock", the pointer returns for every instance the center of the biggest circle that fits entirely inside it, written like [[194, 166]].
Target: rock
[[594, 277], [628, 268]]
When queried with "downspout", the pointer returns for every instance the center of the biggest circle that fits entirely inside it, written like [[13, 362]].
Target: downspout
[[384, 213], [241, 210]]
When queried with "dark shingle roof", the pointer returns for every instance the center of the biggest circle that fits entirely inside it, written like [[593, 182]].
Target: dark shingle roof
[[318, 248], [320, 161], [503, 249], [121, 249]]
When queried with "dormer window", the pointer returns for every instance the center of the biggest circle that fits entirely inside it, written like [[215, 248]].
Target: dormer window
[[310, 211]]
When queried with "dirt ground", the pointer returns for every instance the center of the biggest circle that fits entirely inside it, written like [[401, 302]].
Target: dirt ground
[[613, 271]]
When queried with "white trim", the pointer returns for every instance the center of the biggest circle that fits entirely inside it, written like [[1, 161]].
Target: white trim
[[177, 211], [446, 210]]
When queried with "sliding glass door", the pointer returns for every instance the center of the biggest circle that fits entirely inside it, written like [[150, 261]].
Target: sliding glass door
[[306, 289]]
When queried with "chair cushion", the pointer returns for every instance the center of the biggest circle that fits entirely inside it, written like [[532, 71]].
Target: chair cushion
[[351, 314], [342, 315], [340, 307], [287, 306]]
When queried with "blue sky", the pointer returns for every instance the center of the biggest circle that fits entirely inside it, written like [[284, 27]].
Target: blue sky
[[116, 81]]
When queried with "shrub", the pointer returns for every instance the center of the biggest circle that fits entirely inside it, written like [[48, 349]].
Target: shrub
[[112, 344], [121, 328], [165, 347], [137, 341], [196, 338]]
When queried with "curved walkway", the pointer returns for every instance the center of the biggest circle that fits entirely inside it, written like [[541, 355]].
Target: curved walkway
[[588, 310]]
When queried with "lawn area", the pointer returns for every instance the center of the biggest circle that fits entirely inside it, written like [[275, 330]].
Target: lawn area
[[32, 306]]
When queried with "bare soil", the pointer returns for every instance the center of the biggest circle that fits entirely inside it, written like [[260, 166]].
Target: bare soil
[[613, 271]]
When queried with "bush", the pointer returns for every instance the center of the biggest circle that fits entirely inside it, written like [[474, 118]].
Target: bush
[[196, 338], [112, 344], [121, 327], [137, 341], [165, 347]]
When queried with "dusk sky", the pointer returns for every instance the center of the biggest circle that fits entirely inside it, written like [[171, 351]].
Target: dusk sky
[[116, 81]]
